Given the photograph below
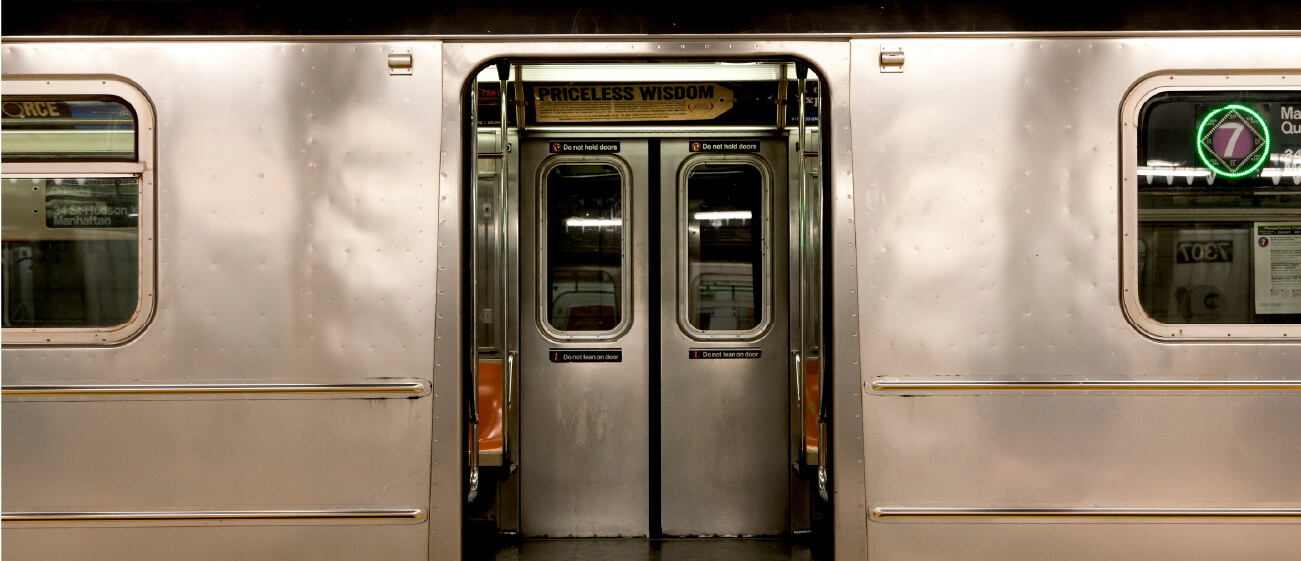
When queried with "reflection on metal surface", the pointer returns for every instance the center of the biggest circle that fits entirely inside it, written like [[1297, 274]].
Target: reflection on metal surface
[[909, 512], [368, 389], [405, 514], [1018, 277], [1087, 385]]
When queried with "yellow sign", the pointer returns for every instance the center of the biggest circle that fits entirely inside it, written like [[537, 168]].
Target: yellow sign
[[594, 103]]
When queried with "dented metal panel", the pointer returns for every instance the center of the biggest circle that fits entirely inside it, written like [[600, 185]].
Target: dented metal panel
[[988, 207], [296, 202]]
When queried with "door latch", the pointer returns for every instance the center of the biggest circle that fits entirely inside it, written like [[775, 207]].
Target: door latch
[[399, 61], [891, 58]]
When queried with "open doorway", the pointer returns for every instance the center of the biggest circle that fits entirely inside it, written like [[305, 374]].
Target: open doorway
[[647, 283]]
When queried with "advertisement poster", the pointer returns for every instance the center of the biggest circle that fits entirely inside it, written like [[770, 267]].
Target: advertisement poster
[[623, 102]]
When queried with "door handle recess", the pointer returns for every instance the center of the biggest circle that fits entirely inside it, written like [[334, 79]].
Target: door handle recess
[[473, 425], [823, 445], [800, 435]]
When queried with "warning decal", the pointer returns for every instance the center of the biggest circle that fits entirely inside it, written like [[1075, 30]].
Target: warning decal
[[586, 355]]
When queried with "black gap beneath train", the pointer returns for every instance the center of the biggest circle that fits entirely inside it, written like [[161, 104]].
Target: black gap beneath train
[[487, 545]]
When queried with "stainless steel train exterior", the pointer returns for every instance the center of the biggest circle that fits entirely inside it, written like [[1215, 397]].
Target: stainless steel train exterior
[[297, 389]]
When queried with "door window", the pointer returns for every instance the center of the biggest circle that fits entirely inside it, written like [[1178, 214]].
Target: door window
[[724, 247], [584, 247]]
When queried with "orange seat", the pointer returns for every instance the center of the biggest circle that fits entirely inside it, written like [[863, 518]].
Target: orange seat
[[492, 400]]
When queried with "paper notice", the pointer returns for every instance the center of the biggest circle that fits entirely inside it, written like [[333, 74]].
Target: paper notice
[[1278, 268]]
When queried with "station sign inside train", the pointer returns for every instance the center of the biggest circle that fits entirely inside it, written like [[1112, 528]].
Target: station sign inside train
[[1233, 140], [724, 145], [96, 205], [1291, 117], [584, 147], [630, 102]]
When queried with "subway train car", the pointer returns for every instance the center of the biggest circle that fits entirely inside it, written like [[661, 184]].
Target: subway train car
[[473, 287]]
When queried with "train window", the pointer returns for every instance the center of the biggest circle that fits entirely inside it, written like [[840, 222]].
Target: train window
[[1214, 249], [76, 198], [584, 246], [724, 214], [70, 251]]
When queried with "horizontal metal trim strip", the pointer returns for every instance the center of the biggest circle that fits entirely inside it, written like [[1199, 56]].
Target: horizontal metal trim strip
[[756, 130], [408, 514], [1086, 385], [656, 38], [71, 168], [371, 389], [909, 512], [1257, 215]]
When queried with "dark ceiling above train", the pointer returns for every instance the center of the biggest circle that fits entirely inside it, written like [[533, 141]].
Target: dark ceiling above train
[[442, 17]]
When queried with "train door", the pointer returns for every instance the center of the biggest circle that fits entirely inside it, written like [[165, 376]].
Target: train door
[[584, 330], [724, 375], [654, 334], [646, 290]]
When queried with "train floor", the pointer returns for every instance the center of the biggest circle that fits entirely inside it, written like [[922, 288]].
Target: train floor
[[635, 549]]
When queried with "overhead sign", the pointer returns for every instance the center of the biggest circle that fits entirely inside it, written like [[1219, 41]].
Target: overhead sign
[[591, 103], [1288, 116], [29, 109], [110, 113], [724, 145], [1233, 140]]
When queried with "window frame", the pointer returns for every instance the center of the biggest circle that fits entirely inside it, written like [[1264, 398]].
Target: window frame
[[143, 168], [765, 237], [625, 249], [1130, 112]]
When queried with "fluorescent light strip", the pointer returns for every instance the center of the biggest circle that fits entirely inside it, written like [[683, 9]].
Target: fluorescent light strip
[[593, 222], [647, 72], [1149, 172], [1267, 172], [725, 215]]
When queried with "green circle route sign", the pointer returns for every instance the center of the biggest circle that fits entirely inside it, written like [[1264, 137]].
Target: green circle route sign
[[1233, 141]]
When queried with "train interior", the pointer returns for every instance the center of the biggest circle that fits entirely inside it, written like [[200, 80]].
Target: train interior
[[647, 305]]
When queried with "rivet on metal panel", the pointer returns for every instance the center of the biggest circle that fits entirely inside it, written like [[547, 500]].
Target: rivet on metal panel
[[399, 61], [891, 58]]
